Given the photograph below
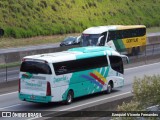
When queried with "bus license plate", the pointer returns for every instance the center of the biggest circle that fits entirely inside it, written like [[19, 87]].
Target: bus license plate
[[32, 97]]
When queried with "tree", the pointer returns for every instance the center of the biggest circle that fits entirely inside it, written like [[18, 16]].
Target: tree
[[146, 93]]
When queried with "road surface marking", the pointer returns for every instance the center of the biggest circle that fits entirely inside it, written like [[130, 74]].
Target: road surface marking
[[13, 78], [96, 101], [9, 93], [10, 71], [141, 66], [9, 106]]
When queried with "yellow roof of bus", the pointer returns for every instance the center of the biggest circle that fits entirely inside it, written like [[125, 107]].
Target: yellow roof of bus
[[123, 27]]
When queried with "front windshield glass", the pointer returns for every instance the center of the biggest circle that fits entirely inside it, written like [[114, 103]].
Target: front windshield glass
[[69, 39], [90, 39]]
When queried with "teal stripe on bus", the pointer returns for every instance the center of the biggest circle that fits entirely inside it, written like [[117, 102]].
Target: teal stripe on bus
[[89, 55]]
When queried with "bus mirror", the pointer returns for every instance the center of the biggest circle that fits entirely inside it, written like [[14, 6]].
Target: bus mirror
[[78, 39], [124, 57], [99, 40]]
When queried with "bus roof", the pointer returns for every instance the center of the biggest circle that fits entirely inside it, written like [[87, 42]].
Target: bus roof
[[91, 49], [122, 27], [101, 29], [72, 54]]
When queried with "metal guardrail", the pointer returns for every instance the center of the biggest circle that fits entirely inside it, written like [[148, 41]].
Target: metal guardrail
[[151, 52]]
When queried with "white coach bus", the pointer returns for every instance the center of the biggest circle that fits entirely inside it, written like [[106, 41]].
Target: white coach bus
[[127, 39], [65, 75]]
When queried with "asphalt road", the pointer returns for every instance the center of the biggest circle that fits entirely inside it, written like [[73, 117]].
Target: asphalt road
[[12, 103]]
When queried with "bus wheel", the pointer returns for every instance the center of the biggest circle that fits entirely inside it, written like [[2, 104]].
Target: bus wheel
[[69, 98], [109, 88], [138, 50], [133, 51]]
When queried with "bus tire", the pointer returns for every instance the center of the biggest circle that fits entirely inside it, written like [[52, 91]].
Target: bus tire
[[133, 51], [138, 50], [109, 88], [69, 98]]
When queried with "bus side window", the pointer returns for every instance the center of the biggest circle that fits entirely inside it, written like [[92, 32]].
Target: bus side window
[[80, 65], [116, 63]]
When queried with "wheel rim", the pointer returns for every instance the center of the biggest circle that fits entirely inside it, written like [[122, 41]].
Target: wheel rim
[[69, 98], [109, 88]]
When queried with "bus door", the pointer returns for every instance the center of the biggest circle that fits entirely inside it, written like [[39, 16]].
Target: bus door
[[117, 70]]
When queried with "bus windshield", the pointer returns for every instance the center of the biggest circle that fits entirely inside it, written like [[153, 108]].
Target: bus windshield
[[90, 39]]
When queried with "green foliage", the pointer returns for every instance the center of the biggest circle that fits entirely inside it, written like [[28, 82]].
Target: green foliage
[[27, 18], [146, 90], [15, 64], [132, 106], [146, 93]]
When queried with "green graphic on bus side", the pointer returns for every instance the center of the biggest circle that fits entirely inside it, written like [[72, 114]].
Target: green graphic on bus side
[[64, 78], [27, 75], [119, 45]]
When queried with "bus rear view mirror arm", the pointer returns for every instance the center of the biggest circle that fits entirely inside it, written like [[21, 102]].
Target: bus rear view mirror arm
[[99, 40], [126, 57]]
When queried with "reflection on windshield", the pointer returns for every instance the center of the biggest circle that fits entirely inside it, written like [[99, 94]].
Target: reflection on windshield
[[90, 39], [70, 39]]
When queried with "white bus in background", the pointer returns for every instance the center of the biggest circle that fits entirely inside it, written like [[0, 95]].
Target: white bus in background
[[129, 39], [63, 76]]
